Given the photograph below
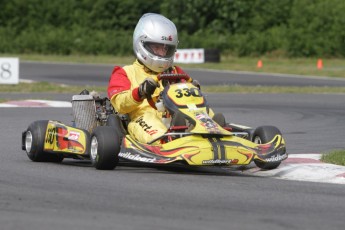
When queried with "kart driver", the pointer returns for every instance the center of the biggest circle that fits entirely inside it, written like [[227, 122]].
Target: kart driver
[[154, 43]]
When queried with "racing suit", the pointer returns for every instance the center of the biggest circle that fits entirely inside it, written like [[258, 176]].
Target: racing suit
[[145, 122]]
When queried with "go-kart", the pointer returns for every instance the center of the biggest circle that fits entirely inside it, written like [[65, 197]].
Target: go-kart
[[193, 138]]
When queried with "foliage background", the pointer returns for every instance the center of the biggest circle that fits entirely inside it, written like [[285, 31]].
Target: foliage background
[[290, 28]]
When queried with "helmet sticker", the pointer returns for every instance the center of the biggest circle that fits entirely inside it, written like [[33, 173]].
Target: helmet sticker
[[169, 38]]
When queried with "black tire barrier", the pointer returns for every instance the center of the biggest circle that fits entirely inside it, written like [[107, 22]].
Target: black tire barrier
[[212, 55]]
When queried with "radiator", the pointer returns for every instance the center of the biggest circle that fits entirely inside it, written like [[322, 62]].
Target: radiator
[[84, 112]]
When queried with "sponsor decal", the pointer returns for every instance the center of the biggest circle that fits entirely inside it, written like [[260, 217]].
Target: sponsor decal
[[192, 107], [151, 132], [145, 126], [207, 122], [277, 158], [218, 149], [136, 157], [73, 135], [165, 38], [217, 161], [182, 86]]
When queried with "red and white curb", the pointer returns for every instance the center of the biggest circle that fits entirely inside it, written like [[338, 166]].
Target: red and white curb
[[36, 103], [304, 167]]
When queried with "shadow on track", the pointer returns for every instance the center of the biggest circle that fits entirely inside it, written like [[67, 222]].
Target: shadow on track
[[134, 167]]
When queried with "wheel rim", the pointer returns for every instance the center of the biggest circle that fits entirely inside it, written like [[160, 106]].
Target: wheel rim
[[28, 141], [94, 148], [257, 140]]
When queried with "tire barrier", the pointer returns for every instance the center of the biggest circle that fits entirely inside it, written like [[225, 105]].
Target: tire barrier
[[212, 55]]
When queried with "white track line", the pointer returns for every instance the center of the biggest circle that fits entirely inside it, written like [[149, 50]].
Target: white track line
[[36, 103]]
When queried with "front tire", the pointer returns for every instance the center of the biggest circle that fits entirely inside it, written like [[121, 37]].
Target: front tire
[[263, 135], [33, 143], [220, 119], [105, 147]]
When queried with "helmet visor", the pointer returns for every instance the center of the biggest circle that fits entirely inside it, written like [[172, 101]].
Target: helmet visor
[[160, 49]]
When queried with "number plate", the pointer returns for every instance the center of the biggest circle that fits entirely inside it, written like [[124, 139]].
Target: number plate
[[185, 94], [9, 70]]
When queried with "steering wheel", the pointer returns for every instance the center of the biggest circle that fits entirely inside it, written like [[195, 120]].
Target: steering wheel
[[173, 77]]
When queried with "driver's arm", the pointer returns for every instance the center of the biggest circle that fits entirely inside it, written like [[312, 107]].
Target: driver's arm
[[124, 102], [123, 99]]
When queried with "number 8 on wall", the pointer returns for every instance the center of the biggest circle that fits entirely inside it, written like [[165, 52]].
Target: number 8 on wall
[[9, 70]]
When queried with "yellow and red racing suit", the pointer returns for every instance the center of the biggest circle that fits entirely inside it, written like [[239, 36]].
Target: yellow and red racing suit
[[145, 122]]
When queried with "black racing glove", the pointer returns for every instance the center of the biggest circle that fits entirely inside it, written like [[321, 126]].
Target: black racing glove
[[147, 88], [196, 84]]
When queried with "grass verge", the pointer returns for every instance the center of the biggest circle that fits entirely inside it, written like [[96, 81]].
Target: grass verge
[[334, 157], [332, 67], [298, 66], [273, 89], [44, 87]]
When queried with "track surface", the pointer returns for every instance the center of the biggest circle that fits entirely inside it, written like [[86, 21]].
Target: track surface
[[73, 195]]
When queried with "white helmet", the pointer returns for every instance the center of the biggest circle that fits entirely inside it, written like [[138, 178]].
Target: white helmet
[[155, 29]]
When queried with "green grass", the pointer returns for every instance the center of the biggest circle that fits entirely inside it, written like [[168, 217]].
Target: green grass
[[271, 64], [334, 157], [297, 66], [94, 59], [273, 89], [41, 87]]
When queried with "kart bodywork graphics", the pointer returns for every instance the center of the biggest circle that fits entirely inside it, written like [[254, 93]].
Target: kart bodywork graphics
[[62, 138], [229, 150]]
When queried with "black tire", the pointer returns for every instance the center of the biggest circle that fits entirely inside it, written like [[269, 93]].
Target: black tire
[[105, 147], [33, 143], [178, 119], [220, 119], [262, 135], [212, 55], [115, 121]]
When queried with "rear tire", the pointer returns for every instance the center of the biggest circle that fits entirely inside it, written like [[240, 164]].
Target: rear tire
[[34, 138], [262, 135], [105, 147], [115, 121]]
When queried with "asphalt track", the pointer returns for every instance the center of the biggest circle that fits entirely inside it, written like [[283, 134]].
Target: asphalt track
[[73, 195]]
